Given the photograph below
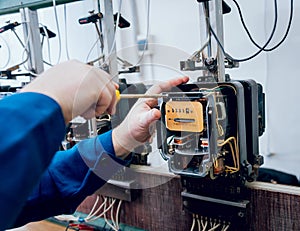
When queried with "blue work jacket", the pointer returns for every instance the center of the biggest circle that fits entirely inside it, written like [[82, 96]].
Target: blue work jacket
[[37, 181]]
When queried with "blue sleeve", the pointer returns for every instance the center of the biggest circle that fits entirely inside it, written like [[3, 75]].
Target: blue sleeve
[[71, 177], [32, 127]]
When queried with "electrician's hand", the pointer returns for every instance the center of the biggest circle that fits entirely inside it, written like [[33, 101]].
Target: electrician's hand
[[138, 125], [79, 89]]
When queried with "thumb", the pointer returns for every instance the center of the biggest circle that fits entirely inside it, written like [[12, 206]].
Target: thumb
[[150, 116]]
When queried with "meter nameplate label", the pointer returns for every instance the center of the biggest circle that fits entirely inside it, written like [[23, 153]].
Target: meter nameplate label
[[184, 116]]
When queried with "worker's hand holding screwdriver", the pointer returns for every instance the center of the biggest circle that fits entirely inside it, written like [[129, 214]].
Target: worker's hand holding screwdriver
[[90, 91], [79, 89], [137, 126]]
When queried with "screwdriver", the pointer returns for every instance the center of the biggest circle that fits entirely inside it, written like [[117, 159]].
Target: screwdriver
[[137, 96]]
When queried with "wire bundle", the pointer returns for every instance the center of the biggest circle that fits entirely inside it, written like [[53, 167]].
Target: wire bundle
[[102, 211], [208, 224], [261, 48]]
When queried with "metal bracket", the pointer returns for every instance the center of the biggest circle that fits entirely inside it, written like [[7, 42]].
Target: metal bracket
[[32, 33]]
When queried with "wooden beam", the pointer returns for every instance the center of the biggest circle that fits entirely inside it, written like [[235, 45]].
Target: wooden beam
[[272, 207]]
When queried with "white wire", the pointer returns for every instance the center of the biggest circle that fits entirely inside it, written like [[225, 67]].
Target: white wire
[[112, 216], [90, 51], [104, 212], [199, 225], [193, 223], [8, 52], [227, 227], [214, 228], [99, 208], [117, 214], [58, 31], [106, 221], [25, 47], [93, 208], [25, 51], [211, 223], [109, 224], [114, 40], [147, 34], [66, 32], [204, 225]]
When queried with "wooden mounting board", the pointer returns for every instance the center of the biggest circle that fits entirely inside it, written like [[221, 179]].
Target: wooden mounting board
[[272, 207]]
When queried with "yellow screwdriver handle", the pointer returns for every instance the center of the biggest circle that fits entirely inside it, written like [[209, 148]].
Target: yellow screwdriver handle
[[118, 95]]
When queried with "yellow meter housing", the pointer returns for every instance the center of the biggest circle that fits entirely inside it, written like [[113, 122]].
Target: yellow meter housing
[[184, 116]]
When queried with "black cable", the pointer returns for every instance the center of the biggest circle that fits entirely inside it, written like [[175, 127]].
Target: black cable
[[104, 227], [71, 227], [249, 35], [163, 155], [49, 64], [259, 51]]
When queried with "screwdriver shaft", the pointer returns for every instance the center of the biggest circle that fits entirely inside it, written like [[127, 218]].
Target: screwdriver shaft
[[136, 96]]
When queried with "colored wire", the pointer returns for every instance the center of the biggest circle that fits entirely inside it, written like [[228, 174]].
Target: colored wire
[[231, 148], [251, 38], [234, 152], [219, 127]]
